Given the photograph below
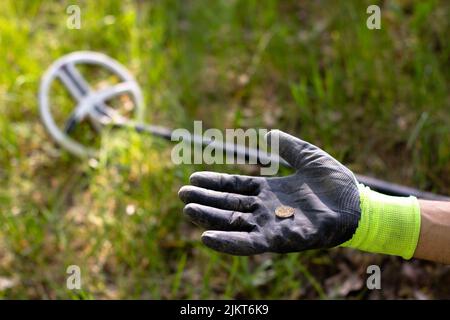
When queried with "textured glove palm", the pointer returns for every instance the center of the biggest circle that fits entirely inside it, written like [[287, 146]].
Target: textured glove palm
[[239, 211]]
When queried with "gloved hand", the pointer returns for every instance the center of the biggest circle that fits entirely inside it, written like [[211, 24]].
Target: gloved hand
[[320, 206]]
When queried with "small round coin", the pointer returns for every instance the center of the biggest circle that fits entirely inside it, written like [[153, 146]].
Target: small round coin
[[284, 212]]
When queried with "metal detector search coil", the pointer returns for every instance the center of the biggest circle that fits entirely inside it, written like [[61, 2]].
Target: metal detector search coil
[[90, 104]]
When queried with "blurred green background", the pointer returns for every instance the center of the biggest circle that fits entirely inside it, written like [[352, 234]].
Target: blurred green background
[[377, 100]]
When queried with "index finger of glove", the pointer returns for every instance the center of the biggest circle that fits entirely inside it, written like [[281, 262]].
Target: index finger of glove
[[221, 200], [226, 182]]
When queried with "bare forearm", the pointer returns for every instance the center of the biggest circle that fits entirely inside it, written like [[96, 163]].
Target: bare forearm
[[434, 239]]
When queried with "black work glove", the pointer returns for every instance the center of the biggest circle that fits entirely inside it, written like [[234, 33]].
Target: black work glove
[[242, 213]]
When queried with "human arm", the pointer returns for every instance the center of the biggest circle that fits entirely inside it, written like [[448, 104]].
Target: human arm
[[434, 238]]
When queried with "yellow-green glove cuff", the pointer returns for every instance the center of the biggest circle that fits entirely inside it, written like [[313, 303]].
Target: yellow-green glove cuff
[[389, 225]]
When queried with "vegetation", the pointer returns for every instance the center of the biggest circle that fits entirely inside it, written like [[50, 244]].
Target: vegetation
[[378, 100]]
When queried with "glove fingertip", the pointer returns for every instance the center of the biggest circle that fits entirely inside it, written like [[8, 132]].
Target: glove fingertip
[[196, 177], [209, 239], [182, 193], [190, 210]]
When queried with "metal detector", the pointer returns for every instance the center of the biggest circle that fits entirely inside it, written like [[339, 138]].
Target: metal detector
[[92, 106]]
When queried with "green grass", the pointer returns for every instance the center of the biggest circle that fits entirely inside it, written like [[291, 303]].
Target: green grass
[[377, 100]]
